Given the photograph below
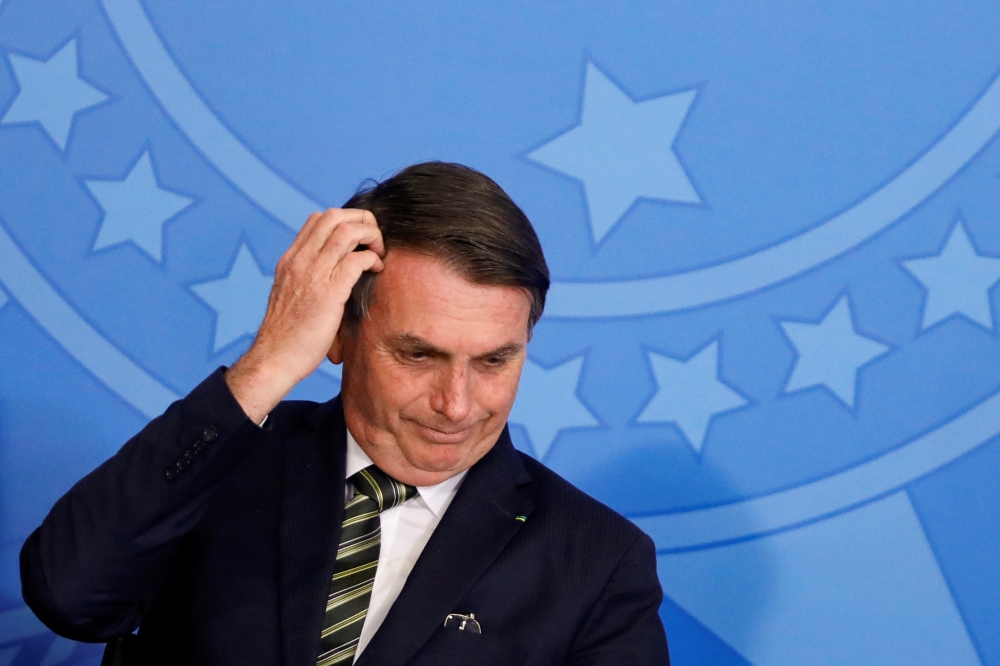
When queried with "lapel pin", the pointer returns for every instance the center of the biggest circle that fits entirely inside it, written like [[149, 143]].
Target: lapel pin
[[523, 519], [463, 622]]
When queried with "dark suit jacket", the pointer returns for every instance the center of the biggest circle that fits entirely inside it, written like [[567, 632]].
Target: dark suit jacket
[[229, 560]]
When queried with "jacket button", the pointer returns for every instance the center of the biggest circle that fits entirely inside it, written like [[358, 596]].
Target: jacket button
[[210, 434], [197, 447], [181, 465], [171, 474]]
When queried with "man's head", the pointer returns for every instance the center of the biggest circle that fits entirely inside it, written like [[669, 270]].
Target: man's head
[[461, 217], [434, 344]]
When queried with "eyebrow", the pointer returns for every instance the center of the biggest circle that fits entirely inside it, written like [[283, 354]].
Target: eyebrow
[[414, 342]]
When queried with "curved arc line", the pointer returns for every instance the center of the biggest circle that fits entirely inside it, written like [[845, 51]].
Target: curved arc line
[[768, 267], [198, 122], [699, 528], [576, 300], [26, 285], [860, 484]]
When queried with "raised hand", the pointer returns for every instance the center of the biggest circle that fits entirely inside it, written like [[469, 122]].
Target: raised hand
[[312, 283]]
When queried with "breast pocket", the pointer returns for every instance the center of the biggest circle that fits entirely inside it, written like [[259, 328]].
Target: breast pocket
[[452, 647]]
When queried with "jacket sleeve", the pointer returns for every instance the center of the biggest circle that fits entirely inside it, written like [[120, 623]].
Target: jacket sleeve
[[107, 546], [624, 626]]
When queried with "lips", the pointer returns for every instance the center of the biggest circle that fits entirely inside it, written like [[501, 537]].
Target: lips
[[443, 436]]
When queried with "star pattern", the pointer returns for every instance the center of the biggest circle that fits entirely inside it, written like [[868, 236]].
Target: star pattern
[[869, 567], [958, 280], [690, 393], [52, 93], [547, 403], [622, 150], [830, 352], [136, 208], [239, 299]]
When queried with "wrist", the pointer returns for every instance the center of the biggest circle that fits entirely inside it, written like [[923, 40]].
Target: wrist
[[259, 384]]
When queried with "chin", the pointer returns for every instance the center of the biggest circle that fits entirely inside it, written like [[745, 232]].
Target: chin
[[438, 460]]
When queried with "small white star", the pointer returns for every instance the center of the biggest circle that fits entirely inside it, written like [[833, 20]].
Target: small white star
[[136, 208], [52, 93], [239, 299], [958, 280], [690, 393], [622, 150], [547, 402], [830, 352]]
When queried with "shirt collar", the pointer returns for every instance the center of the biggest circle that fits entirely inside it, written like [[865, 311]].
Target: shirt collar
[[436, 497]]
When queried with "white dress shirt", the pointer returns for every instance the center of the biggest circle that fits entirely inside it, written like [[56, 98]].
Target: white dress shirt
[[405, 531]]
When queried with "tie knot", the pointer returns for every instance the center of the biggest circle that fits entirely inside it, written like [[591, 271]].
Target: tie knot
[[379, 486]]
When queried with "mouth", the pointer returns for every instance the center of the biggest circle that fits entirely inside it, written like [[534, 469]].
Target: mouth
[[450, 436]]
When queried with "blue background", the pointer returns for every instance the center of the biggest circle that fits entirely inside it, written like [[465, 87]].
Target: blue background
[[772, 227]]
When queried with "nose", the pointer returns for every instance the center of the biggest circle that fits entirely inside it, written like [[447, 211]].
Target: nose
[[453, 397]]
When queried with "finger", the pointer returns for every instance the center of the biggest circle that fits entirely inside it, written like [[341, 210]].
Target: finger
[[347, 237], [367, 217], [308, 229], [355, 215], [349, 271], [325, 225], [301, 237], [319, 231]]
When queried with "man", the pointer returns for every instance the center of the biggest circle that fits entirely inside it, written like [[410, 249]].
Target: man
[[395, 524]]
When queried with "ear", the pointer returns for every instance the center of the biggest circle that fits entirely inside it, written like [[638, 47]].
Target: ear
[[336, 353]]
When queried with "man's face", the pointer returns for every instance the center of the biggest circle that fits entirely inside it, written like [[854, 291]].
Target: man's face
[[431, 373]]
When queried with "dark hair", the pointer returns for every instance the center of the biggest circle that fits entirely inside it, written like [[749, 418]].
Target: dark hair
[[461, 216]]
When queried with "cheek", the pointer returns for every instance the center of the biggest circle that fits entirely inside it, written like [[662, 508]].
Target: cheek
[[375, 387], [400, 387], [496, 393]]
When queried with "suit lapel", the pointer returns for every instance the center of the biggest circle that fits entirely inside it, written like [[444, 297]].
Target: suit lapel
[[312, 506], [473, 531]]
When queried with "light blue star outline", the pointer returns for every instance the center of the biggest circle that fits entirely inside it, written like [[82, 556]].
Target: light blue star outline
[[957, 280], [622, 150], [239, 299], [136, 208], [690, 393], [52, 92], [830, 352], [547, 403]]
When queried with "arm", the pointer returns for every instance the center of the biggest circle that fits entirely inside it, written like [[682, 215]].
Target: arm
[[100, 556], [624, 626], [92, 567]]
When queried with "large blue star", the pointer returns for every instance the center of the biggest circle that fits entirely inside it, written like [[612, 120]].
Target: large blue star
[[546, 403], [622, 150], [830, 352], [690, 393], [136, 208], [958, 280], [52, 93], [239, 299]]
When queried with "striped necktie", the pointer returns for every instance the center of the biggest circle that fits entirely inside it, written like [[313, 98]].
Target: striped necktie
[[357, 557]]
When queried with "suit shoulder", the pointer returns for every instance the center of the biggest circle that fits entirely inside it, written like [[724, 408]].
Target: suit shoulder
[[290, 415], [564, 503], [294, 409]]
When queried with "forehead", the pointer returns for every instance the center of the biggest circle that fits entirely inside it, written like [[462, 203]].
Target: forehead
[[420, 295]]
